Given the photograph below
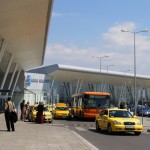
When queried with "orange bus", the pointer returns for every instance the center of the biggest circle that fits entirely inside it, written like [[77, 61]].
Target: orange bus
[[88, 104]]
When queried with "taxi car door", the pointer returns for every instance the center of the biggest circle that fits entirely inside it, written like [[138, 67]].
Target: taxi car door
[[100, 119], [105, 119]]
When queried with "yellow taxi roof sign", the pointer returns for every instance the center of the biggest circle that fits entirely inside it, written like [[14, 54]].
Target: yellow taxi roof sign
[[61, 105]]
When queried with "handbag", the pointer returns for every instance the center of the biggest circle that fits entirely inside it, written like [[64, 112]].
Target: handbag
[[14, 116]]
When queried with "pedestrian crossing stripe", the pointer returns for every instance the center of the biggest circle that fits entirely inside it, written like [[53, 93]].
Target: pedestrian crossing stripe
[[83, 125]]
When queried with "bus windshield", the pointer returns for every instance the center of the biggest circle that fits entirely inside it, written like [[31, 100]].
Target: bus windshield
[[99, 101]]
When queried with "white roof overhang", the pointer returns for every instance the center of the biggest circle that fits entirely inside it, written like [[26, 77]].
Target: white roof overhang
[[86, 75], [24, 26]]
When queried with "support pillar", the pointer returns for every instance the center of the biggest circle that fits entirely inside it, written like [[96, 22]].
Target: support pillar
[[2, 49], [7, 71], [12, 77], [16, 80]]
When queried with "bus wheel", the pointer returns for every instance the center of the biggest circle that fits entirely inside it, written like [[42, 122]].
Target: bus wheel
[[80, 116], [97, 127]]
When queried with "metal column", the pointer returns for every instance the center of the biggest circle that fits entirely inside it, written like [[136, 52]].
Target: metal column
[[15, 82], [7, 71], [2, 49], [12, 77]]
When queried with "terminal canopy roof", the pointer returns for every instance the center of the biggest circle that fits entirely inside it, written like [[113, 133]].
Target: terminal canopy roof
[[24, 27], [87, 75]]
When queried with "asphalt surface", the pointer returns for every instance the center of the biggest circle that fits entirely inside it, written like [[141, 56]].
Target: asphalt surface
[[69, 135], [104, 141]]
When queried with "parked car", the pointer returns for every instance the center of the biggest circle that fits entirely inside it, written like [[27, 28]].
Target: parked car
[[145, 111], [138, 109], [33, 113], [50, 108], [118, 120], [61, 111]]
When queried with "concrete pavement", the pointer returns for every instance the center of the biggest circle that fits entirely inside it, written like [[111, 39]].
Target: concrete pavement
[[31, 136], [146, 123]]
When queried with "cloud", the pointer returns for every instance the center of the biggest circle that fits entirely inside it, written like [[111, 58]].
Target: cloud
[[119, 39], [114, 43], [121, 44], [56, 14]]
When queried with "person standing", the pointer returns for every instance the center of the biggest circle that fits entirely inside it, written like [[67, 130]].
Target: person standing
[[9, 107], [22, 107], [27, 106], [40, 109]]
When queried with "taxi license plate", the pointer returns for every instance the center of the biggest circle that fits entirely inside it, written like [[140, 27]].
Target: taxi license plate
[[129, 127]]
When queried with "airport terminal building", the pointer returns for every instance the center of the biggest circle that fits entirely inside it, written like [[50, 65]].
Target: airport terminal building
[[22, 47], [59, 82], [23, 37]]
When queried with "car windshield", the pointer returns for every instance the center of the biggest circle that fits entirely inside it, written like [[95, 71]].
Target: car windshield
[[61, 108], [120, 113], [94, 101], [45, 108], [35, 108]]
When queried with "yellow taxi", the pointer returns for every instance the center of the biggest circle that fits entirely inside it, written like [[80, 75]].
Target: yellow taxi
[[50, 108], [46, 113], [118, 120], [32, 113], [61, 111]]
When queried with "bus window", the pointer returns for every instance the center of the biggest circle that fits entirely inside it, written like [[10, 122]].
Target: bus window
[[90, 103], [80, 101], [95, 102], [74, 102]]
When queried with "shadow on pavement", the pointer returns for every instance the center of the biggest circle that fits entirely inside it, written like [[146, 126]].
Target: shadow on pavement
[[113, 134], [3, 131]]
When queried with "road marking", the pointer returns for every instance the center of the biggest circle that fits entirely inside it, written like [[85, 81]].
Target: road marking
[[80, 129], [83, 140], [84, 125]]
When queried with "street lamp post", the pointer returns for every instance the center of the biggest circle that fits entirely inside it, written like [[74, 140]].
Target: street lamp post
[[107, 76], [134, 33], [125, 97], [100, 61]]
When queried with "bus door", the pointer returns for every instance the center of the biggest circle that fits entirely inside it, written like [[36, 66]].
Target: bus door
[[74, 106], [79, 106]]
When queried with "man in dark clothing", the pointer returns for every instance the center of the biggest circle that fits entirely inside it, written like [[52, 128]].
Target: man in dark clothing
[[22, 107], [122, 105], [9, 108]]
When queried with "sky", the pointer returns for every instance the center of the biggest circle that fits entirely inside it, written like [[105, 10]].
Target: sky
[[80, 29]]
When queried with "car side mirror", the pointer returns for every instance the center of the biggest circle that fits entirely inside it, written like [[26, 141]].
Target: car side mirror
[[134, 116]]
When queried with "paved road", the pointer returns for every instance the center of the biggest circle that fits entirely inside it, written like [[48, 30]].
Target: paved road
[[103, 141], [68, 135]]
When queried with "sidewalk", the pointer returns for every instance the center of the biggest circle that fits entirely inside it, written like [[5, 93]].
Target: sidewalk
[[146, 123], [31, 136]]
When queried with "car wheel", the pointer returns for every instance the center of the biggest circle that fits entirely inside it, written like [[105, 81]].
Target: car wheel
[[97, 127], [109, 129], [137, 133]]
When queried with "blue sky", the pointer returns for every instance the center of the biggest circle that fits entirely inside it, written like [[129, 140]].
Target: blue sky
[[80, 29]]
